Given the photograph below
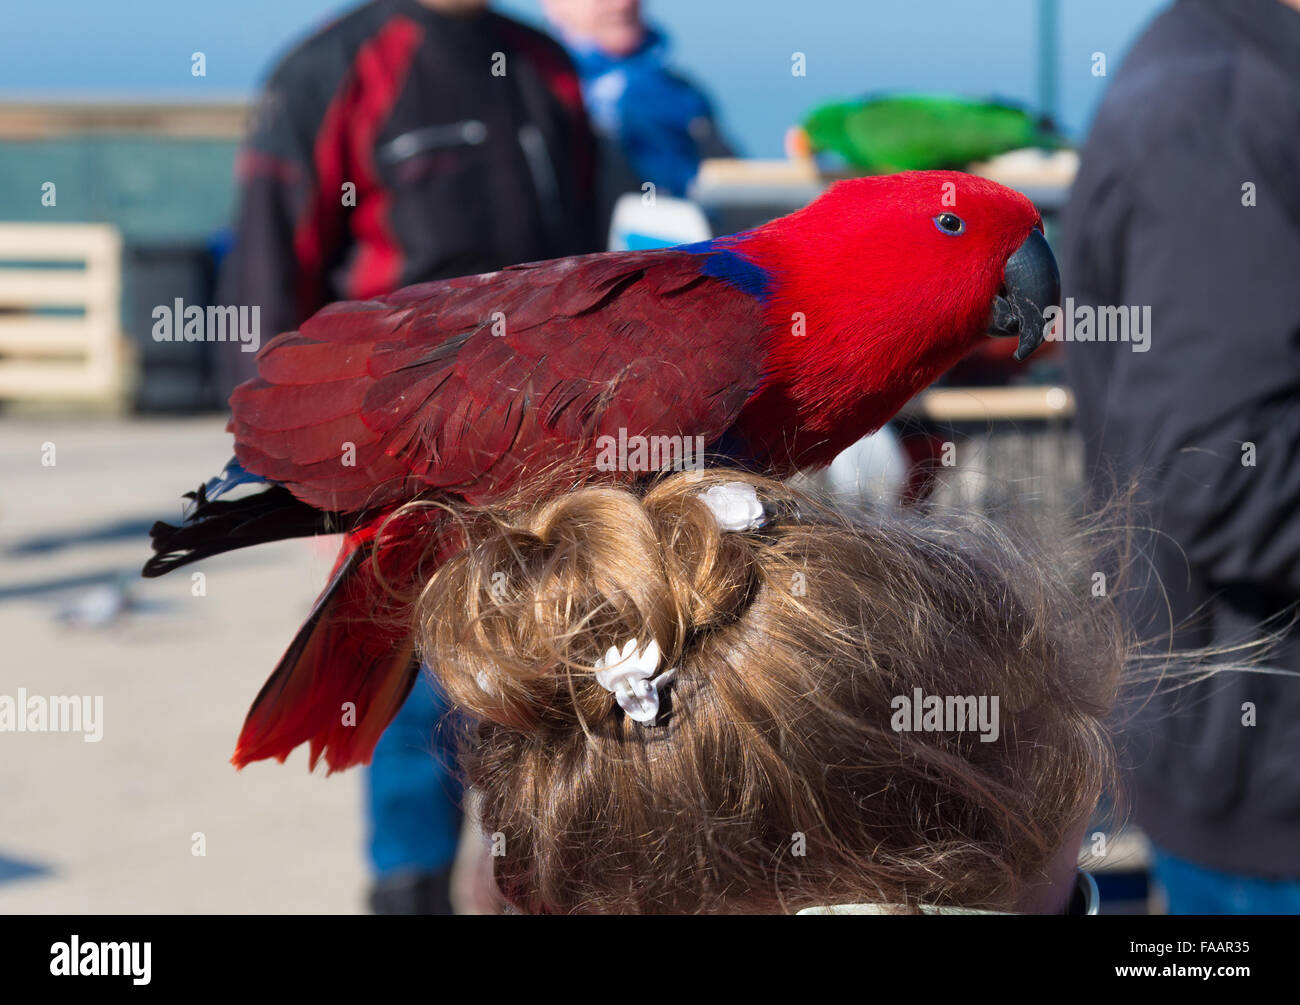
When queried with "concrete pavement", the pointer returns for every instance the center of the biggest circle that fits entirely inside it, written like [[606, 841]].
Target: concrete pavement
[[110, 826]]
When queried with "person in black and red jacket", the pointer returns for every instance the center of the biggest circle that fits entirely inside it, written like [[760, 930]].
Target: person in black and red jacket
[[408, 141]]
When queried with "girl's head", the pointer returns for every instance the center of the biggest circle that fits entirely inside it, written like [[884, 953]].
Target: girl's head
[[786, 768]]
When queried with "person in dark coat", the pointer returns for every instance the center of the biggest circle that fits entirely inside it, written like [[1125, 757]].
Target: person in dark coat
[[408, 141], [1188, 202]]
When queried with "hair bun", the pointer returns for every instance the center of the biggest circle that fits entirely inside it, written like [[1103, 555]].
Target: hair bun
[[514, 623]]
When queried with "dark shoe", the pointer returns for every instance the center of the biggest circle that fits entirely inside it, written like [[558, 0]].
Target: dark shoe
[[412, 893]]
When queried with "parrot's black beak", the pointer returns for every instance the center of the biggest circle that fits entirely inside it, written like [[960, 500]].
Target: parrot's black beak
[[1031, 284]]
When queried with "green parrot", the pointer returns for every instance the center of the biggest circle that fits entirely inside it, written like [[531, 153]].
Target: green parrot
[[916, 132]]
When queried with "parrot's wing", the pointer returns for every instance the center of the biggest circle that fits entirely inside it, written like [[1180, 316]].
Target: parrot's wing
[[461, 385]]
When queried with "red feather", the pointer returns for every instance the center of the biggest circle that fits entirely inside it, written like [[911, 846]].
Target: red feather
[[430, 398]]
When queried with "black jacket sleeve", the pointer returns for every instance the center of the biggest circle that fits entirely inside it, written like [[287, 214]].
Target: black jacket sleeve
[[1223, 280], [280, 256], [1210, 413]]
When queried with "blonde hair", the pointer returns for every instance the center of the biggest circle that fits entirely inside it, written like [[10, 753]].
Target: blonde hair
[[774, 779]]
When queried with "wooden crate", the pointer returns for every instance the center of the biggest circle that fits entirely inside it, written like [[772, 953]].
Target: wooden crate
[[53, 357]]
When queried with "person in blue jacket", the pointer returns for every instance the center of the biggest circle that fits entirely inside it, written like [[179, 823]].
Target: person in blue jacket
[[656, 125]]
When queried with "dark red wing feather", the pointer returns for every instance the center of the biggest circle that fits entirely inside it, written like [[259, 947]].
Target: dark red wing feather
[[431, 399]]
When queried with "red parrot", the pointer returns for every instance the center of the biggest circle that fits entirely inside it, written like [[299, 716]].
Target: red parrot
[[777, 347]]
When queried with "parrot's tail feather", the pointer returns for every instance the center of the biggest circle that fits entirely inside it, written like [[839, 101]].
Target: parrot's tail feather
[[212, 526], [342, 679]]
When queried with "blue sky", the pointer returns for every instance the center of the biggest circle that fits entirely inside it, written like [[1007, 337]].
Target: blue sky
[[739, 49]]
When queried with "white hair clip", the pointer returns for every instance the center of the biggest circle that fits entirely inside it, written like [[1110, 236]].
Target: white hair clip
[[629, 673], [629, 676], [735, 505]]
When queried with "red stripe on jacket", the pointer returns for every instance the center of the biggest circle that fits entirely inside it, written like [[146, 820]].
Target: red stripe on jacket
[[381, 66], [343, 151]]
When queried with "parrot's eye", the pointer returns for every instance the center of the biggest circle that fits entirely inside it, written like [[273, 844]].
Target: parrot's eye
[[950, 223]]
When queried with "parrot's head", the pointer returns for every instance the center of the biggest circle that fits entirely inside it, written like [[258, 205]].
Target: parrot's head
[[882, 283]]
